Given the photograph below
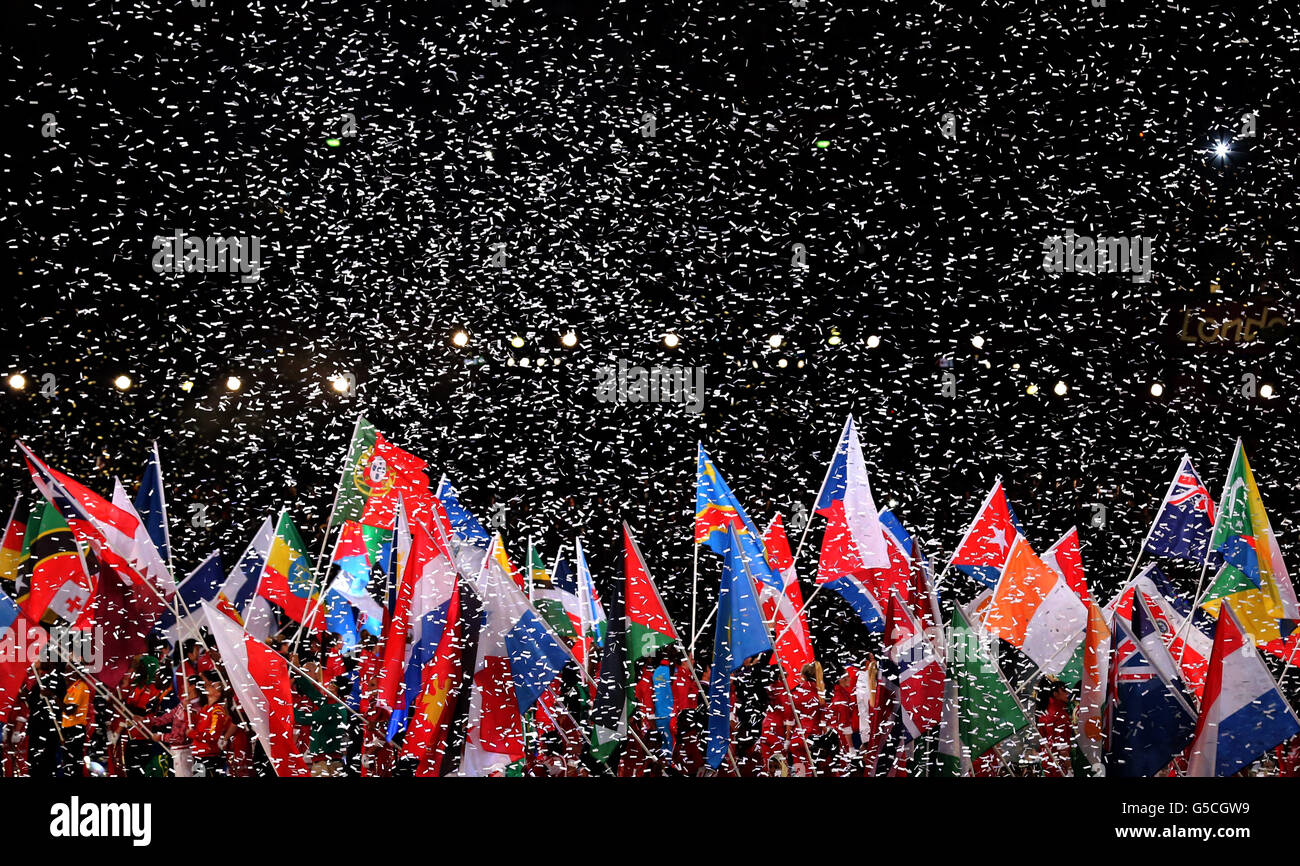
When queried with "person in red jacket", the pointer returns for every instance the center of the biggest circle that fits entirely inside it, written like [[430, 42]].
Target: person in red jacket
[[209, 729], [1055, 728], [177, 722]]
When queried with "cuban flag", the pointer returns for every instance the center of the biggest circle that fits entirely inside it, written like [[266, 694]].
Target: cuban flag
[[987, 544], [914, 669], [1186, 517], [1151, 719], [417, 624], [518, 659], [469, 539], [1243, 713]]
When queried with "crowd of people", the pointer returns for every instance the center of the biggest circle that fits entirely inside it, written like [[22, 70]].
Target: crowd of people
[[175, 714]]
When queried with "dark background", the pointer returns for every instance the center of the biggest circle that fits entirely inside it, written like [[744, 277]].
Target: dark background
[[214, 120]]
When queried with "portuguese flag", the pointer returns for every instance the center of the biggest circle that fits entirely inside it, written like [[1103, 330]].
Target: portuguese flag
[[287, 578], [376, 475], [648, 627]]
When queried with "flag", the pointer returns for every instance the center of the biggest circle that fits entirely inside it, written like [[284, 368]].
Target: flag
[[718, 511], [124, 610], [987, 709], [238, 594], [1243, 714], [353, 557], [740, 634], [953, 757], [611, 704], [914, 668], [649, 628], [415, 630], [1185, 519], [470, 541], [376, 474], [200, 585], [151, 505], [1034, 610], [854, 541], [517, 660], [61, 581], [260, 679], [1170, 610], [286, 579], [1093, 688], [19, 642], [12, 553], [593, 622], [1065, 558], [1254, 577], [984, 548], [552, 600], [113, 528], [1151, 719], [784, 608]]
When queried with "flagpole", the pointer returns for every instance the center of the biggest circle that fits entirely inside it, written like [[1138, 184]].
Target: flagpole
[[695, 551], [162, 496], [1168, 492], [1286, 669], [1205, 561], [528, 573], [690, 658]]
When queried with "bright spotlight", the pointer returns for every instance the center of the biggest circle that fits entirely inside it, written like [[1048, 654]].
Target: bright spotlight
[[1157, 389], [835, 338], [671, 340], [187, 386], [1032, 390], [569, 340], [339, 384], [1061, 388], [18, 381], [523, 362], [234, 383], [1266, 391], [1221, 149], [873, 341], [122, 383], [775, 341], [977, 341], [783, 363], [460, 339], [517, 341]]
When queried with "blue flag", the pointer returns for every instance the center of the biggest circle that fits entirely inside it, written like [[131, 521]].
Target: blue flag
[[200, 585], [740, 634], [1182, 526], [151, 504], [1151, 715], [719, 514], [463, 523]]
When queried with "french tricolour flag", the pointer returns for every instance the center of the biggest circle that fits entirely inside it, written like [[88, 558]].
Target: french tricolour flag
[[519, 657], [1243, 713]]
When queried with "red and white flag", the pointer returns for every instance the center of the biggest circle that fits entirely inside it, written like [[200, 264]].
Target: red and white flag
[[260, 679], [784, 610]]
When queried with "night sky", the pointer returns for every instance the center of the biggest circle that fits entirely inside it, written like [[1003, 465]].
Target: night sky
[[525, 124]]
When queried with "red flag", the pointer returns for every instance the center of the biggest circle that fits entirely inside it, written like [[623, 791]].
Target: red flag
[[785, 609]]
